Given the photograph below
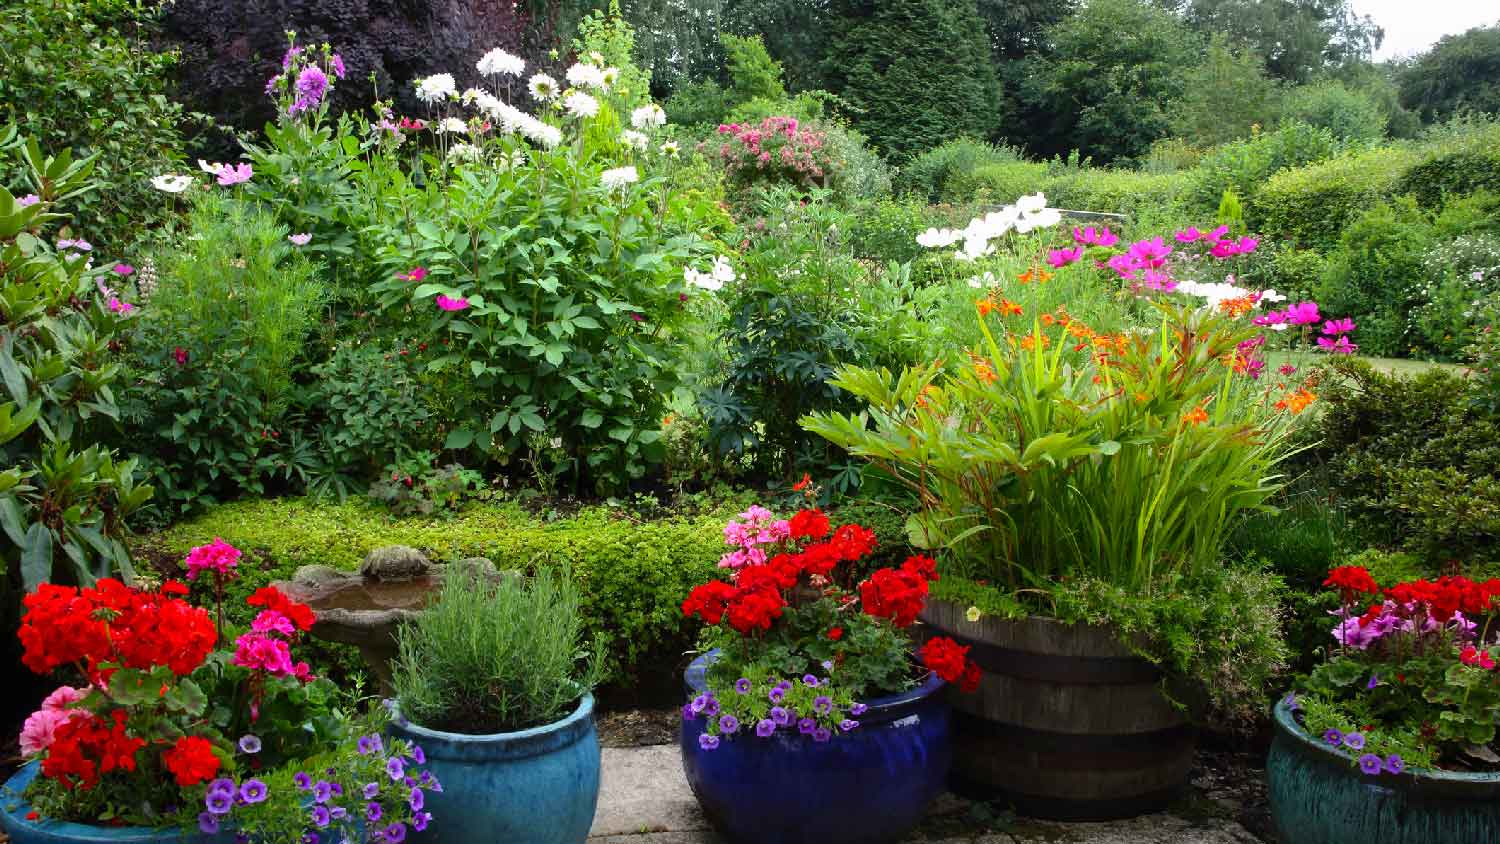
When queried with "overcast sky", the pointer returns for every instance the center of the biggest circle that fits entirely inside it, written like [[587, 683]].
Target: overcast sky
[[1412, 26]]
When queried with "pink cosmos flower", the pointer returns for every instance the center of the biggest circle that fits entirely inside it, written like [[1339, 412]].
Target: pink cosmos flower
[[1123, 265], [1095, 237], [1303, 313], [1217, 234], [218, 557], [415, 274], [1157, 280], [1188, 235], [1287, 369], [1335, 327], [1223, 249], [1150, 253], [1060, 258], [234, 175], [1270, 318], [446, 303], [1340, 347]]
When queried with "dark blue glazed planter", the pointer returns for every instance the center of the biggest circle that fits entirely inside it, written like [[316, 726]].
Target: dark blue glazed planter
[[869, 786], [537, 786], [1318, 797], [14, 809]]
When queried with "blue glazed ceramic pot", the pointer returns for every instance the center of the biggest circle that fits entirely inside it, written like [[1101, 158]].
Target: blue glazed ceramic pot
[[1318, 797], [13, 821], [537, 786], [869, 786]]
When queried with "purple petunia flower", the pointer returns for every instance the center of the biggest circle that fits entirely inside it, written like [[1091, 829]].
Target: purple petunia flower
[[320, 816], [821, 734], [373, 811], [253, 791], [418, 755], [777, 694], [302, 780], [395, 833], [338, 790], [416, 799], [311, 838], [250, 743], [395, 769], [810, 681], [322, 791], [371, 789], [687, 712], [708, 742], [1394, 765], [409, 781], [419, 820], [699, 704], [858, 709], [338, 813], [1371, 764], [729, 725], [806, 726], [848, 725], [368, 745], [1354, 741], [823, 704], [1374, 681], [712, 708], [208, 822], [219, 802], [781, 715], [765, 728], [1291, 701], [742, 685], [223, 784], [1333, 737]]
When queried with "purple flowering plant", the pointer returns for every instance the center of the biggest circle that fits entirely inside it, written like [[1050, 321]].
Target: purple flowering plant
[[305, 80]]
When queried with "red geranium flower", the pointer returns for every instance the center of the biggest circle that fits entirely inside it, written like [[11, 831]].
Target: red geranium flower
[[191, 760], [945, 657], [809, 524]]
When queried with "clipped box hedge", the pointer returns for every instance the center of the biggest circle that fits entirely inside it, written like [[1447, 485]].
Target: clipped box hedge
[[1463, 164], [1312, 205]]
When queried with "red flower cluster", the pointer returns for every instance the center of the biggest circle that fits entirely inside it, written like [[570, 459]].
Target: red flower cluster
[[113, 623], [809, 524], [1477, 658], [950, 661], [85, 747], [273, 599], [1447, 595], [191, 760], [1350, 580], [898, 594]]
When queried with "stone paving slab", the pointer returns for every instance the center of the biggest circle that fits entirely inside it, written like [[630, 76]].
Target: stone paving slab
[[644, 799]]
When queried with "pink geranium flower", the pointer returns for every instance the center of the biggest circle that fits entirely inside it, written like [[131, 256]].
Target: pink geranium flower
[[218, 557], [260, 652], [446, 303]]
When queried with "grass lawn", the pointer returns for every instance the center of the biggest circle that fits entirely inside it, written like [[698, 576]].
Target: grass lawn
[[1392, 366]]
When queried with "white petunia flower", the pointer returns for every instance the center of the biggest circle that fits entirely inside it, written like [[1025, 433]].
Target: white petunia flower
[[543, 87], [171, 183], [585, 76], [648, 116], [619, 177], [436, 88], [581, 105], [633, 139], [497, 62]]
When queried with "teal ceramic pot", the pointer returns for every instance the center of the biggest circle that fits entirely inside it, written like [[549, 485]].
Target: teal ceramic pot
[[537, 786], [14, 822], [1318, 797]]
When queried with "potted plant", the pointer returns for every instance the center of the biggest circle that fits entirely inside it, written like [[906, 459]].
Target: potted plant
[[1078, 484], [1393, 736], [166, 735], [493, 681], [810, 720]]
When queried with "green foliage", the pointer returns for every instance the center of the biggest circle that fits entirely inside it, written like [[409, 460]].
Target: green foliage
[[1415, 460], [1297, 38], [699, 103], [214, 358], [1464, 161], [419, 487], [753, 74], [998, 183], [78, 75], [886, 230], [1376, 276], [491, 657], [1461, 73], [1224, 97], [1312, 206], [1349, 115], [613, 38], [926, 176], [1111, 190], [1106, 86], [880, 54], [1244, 166], [62, 496]]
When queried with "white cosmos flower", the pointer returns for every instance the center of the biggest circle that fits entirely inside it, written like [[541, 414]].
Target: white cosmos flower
[[497, 62], [981, 281], [171, 183], [585, 76], [938, 238], [619, 177], [543, 87], [451, 124], [633, 139], [211, 169], [437, 87], [1212, 292], [648, 116], [723, 271], [581, 105], [1033, 204], [974, 249], [1271, 295]]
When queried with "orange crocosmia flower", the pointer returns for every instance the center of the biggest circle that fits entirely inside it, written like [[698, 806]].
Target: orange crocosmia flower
[[985, 306], [1142, 398], [983, 371], [1009, 308], [1029, 341], [1299, 400], [1237, 307], [667, 422], [1024, 278], [1196, 416], [1048, 319], [802, 484]]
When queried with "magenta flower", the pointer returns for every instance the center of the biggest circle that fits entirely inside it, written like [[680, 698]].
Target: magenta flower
[[338, 65], [28, 200], [1123, 265], [1095, 237], [1303, 313], [1287, 369], [120, 306], [1150, 253], [1340, 347], [1157, 280], [1223, 249], [238, 174], [218, 557], [415, 274], [122, 269], [446, 303], [312, 84], [1060, 258], [1217, 234], [1188, 235], [1336, 327]]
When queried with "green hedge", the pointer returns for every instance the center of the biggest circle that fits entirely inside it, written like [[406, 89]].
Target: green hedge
[[1312, 205], [1466, 163], [1115, 191]]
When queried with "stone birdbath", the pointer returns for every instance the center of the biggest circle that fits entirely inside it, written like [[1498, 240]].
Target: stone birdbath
[[365, 607]]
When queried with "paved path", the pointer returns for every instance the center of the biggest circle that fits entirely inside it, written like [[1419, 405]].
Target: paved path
[[645, 800]]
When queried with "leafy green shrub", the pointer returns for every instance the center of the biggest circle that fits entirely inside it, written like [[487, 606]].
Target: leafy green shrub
[[1292, 272], [700, 103], [887, 230], [1466, 161], [79, 76], [1114, 191], [1349, 115], [1244, 166], [999, 183], [1376, 275], [1312, 205], [62, 496], [494, 657], [926, 176]]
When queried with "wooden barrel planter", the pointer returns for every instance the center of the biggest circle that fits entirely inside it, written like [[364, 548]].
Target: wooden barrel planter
[[1067, 724]]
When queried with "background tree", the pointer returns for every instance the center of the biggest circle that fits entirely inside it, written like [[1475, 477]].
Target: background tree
[[1105, 88], [1223, 96], [1350, 115], [1460, 73], [1297, 38], [916, 72]]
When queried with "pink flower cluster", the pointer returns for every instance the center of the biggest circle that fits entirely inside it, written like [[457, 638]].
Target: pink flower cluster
[[1360, 632], [41, 726], [760, 527], [1222, 247], [777, 148], [218, 557], [261, 651]]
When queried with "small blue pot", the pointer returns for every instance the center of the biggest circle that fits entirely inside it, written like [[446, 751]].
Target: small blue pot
[[14, 809], [868, 786], [1319, 797], [537, 786]]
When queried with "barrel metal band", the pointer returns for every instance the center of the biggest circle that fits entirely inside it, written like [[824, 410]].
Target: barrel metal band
[[1051, 668]]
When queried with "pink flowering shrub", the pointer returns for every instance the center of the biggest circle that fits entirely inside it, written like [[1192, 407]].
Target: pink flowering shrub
[[779, 149]]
